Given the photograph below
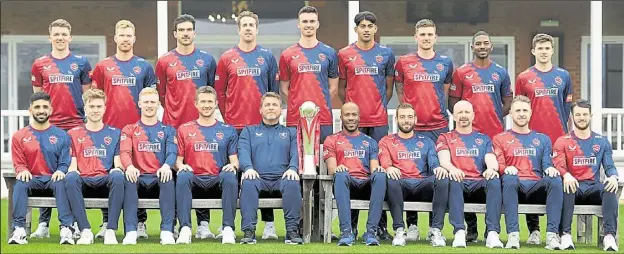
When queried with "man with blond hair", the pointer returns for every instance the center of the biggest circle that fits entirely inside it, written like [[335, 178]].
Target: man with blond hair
[[64, 76], [95, 167]]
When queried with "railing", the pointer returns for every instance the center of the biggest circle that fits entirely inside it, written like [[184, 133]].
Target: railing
[[613, 129]]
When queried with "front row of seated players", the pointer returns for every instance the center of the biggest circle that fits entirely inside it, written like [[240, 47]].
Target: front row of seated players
[[467, 164]]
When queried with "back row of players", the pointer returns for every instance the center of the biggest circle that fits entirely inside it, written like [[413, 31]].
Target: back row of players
[[363, 72]]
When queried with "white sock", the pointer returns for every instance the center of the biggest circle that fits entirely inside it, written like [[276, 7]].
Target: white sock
[[269, 223]]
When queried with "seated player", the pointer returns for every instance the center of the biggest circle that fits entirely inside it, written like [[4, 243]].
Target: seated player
[[270, 162], [525, 163], [350, 155], [414, 173], [148, 149], [468, 156], [95, 167], [40, 154], [578, 157], [207, 164]]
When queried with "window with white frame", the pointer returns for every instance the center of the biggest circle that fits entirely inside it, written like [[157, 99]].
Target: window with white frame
[[216, 45], [612, 72]]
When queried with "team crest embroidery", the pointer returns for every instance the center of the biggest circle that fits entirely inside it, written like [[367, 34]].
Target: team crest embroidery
[[260, 60], [199, 62], [379, 59], [365, 143], [53, 139], [495, 76], [219, 135], [108, 140], [558, 81], [74, 67], [479, 141], [440, 67], [136, 70], [420, 144], [536, 142], [322, 57], [283, 135], [161, 134], [596, 148]]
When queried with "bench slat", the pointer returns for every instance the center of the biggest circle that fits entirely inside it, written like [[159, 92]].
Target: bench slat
[[151, 203]]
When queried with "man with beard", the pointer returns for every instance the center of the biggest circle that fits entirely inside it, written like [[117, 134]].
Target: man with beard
[[179, 73], [121, 77], [486, 85], [549, 87], [578, 156], [414, 173], [244, 74], [270, 162], [525, 164], [40, 154], [95, 167], [148, 151], [468, 156], [207, 164], [351, 157], [64, 76]]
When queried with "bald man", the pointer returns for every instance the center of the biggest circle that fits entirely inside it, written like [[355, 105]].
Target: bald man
[[469, 158], [351, 157]]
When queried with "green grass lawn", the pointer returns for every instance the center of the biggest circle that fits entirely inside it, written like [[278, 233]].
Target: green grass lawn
[[152, 245]]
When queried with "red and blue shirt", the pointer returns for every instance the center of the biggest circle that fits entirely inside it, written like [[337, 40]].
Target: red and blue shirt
[[530, 153], [41, 152], [353, 151], [415, 157], [95, 150], [467, 151], [582, 157], [206, 148], [148, 147]]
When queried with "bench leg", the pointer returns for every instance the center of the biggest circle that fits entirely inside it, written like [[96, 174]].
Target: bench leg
[[580, 229], [10, 184], [308, 198], [328, 205], [317, 231], [28, 225], [600, 233], [589, 229]]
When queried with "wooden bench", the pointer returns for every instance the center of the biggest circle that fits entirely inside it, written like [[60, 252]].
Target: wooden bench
[[308, 201]]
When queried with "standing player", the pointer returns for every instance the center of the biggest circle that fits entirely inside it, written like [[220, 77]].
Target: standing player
[[95, 166], [468, 156], [40, 154], [550, 90], [578, 157], [486, 85], [179, 73], [244, 74], [367, 79], [270, 162], [121, 77], [308, 71], [414, 173], [525, 163], [423, 79], [64, 76], [207, 164], [148, 151], [351, 156]]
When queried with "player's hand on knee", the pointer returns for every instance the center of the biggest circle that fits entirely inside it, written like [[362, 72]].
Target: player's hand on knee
[[442, 173], [393, 173], [611, 184], [456, 175], [341, 168], [132, 174], [250, 174], [552, 172], [164, 173], [229, 168], [570, 184], [24, 176], [290, 175], [185, 167], [58, 175], [511, 170], [490, 174]]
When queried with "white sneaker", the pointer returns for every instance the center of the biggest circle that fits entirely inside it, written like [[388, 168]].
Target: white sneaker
[[184, 237], [43, 231], [566, 242], [399, 237], [460, 239], [609, 243], [269, 231], [412, 233], [493, 240], [76, 230], [220, 234], [141, 230], [552, 241], [100, 234], [130, 239], [228, 236], [535, 238], [86, 237], [18, 236], [66, 236], [436, 238], [203, 231], [110, 237], [166, 237], [513, 241]]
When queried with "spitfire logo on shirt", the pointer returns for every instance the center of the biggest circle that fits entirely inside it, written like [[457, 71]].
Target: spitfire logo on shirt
[[426, 77], [408, 155], [366, 70], [524, 152], [121, 80], [541, 92], [94, 152], [483, 88], [466, 152], [203, 146], [303, 68], [352, 153], [584, 161], [248, 71], [61, 79], [145, 146], [186, 75]]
